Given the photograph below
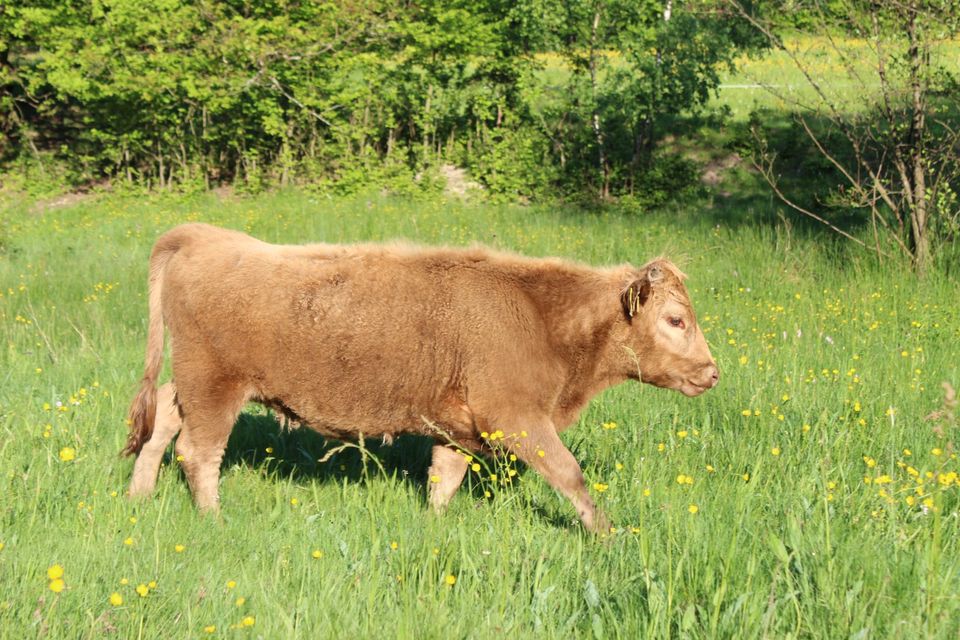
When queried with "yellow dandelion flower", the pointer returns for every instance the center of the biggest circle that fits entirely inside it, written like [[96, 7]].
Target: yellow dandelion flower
[[57, 585], [178, 548], [248, 621], [475, 467], [55, 571], [775, 451], [142, 590], [294, 502], [231, 584], [661, 447], [124, 581], [693, 508], [435, 479], [937, 451], [67, 454], [394, 545], [116, 599], [600, 487], [451, 579], [210, 628], [241, 601], [646, 493], [746, 477], [128, 542], [316, 554], [682, 434]]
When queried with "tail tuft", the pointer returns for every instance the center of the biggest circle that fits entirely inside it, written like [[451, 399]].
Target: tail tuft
[[143, 412]]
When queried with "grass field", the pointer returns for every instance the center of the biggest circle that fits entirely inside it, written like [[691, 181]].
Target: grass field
[[806, 496]]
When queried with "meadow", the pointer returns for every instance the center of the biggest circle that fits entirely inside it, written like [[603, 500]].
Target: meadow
[[813, 493], [808, 495]]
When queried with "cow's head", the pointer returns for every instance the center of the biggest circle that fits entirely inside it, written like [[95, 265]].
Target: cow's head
[[664, 334]]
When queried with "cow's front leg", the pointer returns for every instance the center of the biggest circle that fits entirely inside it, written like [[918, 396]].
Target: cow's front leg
[[445, 475], [542, 449]]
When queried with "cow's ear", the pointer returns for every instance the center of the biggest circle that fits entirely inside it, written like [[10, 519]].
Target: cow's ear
[[634, 296]]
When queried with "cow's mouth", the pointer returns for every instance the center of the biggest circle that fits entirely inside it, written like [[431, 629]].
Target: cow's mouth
[[692, 389]]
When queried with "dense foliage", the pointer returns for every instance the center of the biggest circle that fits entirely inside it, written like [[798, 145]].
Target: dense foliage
[[567, 96]]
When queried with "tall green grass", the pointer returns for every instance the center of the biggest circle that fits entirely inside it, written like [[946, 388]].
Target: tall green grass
[[821, 501]]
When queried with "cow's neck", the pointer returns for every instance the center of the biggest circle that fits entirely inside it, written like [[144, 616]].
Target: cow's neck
[[584, 319]]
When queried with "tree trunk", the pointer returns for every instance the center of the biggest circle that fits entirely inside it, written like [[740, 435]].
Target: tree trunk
[[597, 128], [917, 55]]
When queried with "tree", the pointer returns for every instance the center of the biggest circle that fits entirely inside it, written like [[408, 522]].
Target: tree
[[637, 66], [898, 154]]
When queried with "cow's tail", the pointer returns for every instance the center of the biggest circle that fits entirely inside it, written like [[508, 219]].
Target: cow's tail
[[143, 409]]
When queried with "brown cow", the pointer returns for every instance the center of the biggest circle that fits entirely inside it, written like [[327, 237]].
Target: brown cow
[[387, 339]]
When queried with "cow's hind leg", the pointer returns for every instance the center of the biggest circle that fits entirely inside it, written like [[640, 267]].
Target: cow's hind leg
[[445, 475], [209, 413], [166, 425]]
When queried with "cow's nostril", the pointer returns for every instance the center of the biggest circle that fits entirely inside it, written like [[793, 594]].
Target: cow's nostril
[[716, 374]]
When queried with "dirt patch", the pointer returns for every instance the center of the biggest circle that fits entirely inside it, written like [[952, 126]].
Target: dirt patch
[[714, 171], [458, 182], [224, 192]]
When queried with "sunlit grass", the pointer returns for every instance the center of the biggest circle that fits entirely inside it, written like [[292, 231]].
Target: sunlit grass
[[807, 495]]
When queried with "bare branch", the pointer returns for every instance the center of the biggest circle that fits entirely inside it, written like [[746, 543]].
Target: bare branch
[[766, 170]]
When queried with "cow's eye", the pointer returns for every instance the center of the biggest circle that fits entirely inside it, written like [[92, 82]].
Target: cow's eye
[[676, 322]]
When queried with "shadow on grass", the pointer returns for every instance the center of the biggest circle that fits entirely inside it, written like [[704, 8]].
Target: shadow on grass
[[259, 442]]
